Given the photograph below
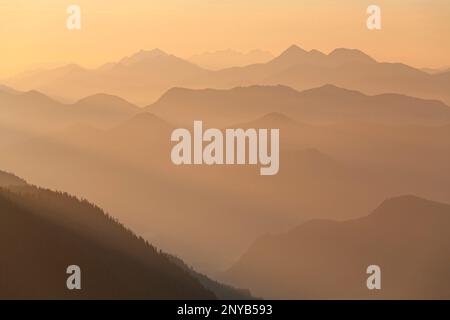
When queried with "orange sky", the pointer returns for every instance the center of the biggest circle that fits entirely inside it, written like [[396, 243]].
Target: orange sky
[[33, 33]]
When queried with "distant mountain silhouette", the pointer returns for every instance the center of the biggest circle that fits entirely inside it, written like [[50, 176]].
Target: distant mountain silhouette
[[218, 107], [143, 124], [348, 68], [230, 58], [221, 291], [144, 76], [109, 108], [43, 232], [295, 56], [320, 105], [270, 120], [140, 77], [134, 136], [133, 160], [33, 112], [406, 236], [141, 57], [342, 56]]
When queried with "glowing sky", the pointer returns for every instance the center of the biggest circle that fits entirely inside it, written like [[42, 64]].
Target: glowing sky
[[33, 32]]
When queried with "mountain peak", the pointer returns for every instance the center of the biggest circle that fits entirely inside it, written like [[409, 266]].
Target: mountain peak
[[142, 55], [330, 89], [142, 124], [295, 55], [37, 96], [102, 102], [347, 55], [294, 50]]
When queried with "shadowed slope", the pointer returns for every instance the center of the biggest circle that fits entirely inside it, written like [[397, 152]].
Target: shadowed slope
[[144, 76]]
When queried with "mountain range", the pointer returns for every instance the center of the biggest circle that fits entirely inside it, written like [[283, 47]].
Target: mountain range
[[24, 114], [352, 148], [147, 74]]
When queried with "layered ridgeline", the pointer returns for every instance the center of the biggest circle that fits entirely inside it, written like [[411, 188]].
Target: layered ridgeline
[[97, 109], [145, 75], [142, 77], [407, 237], [43, 232], [24, 114]]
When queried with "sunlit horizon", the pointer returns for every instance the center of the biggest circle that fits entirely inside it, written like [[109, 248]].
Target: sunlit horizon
[[111, 31]]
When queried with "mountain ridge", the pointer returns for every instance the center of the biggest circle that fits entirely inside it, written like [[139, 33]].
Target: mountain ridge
[[295, 67], [327, 259], [327, 103]]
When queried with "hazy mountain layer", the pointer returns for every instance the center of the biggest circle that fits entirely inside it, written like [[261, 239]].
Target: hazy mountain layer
[[321, 259], [230, 58], [146, 75]]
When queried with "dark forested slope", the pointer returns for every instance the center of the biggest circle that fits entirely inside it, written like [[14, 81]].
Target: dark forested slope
[[43, 232]]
